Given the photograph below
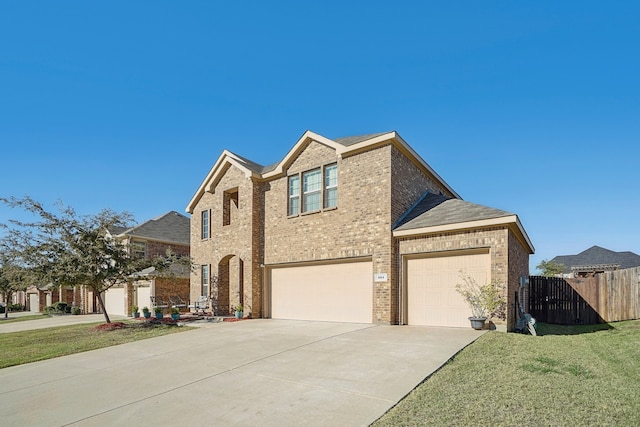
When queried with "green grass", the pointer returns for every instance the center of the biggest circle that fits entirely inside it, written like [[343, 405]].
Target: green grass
[[21, 318], [586, 375], [40, 344]]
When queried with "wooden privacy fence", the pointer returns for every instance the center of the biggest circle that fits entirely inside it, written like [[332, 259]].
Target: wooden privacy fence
[[607, 297]]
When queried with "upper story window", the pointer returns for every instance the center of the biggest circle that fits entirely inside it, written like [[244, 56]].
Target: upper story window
[[138, 249], [331, 186], [294, 195], [317, 189], [204, 225], [312, 188]]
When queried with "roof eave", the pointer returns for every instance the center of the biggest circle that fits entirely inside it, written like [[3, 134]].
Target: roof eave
[[226, 158], [511, 221]]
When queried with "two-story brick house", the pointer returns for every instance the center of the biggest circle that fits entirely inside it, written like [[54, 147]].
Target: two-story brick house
[[357, 229]]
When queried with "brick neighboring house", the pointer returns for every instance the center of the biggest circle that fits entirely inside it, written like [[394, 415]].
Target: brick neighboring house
[[358, 229], [149, 239]]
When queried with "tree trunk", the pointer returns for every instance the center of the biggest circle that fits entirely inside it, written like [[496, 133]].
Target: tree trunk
[[7, 298], [102, 307]]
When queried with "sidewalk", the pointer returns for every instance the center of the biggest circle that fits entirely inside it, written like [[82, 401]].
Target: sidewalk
[[50, 321]]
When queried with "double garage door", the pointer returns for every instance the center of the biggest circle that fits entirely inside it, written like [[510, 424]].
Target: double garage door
[[431, 295], [343, 292], [339, 292]]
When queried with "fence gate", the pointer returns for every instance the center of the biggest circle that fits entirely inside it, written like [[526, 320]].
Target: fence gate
[[554, 300]]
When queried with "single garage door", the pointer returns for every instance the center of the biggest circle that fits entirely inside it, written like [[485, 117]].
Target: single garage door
[[114, 301], [341, 292], [432, 299], [143, 297]]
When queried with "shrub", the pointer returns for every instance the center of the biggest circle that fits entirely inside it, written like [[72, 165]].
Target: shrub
[[76, 310], [484, 300]]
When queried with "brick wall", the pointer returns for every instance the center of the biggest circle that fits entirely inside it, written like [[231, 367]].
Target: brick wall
[[409, 182], [155, 249], [518, 266], [497, 239], [359, 227], [229, 243]]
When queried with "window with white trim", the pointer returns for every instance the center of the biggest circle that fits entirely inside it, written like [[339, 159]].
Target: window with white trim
[[311, 190], [204, 270], [204, 225], [331, 186], [138, 249], [294, 195]]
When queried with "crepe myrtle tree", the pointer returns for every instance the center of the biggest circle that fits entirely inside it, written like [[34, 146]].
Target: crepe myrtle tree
[[11, 280], [65, 249]]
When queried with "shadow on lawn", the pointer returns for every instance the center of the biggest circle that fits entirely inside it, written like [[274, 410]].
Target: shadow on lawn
[[550, 329]]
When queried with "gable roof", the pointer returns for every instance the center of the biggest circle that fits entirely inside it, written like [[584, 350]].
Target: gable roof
[[343, 146], [171, 227], [435, 213], [597, 255]]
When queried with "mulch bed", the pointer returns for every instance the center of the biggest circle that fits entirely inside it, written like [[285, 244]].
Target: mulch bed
[[109, 326]]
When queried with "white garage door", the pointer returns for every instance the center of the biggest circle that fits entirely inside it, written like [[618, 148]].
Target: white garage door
[[432, 299], [143, 297], [114, 301], [332, 292]]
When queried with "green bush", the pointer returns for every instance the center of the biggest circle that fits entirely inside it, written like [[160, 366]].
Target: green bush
[[76, 310], [59, 307], [16, 307]]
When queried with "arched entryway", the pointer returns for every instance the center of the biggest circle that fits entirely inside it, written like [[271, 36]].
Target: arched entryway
[[230, 286]]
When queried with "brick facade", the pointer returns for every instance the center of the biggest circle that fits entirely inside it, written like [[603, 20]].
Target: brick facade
[[377, 184]]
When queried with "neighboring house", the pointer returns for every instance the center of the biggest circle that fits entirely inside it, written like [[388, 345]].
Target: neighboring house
[[150, 239], [358, 229], [596, 260]]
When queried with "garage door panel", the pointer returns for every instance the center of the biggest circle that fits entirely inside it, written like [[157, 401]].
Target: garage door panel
[[114, 301], [432, 298], [329, 292]]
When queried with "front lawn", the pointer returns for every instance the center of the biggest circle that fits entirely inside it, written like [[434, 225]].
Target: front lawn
[[21, 318], [588, 375], [30, 346]]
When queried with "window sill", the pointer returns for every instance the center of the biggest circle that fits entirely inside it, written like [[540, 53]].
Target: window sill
[[312, 212]]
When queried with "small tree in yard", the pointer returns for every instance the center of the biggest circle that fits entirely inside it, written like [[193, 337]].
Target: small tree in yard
[[65, 249], [484, 300], [550, 268]]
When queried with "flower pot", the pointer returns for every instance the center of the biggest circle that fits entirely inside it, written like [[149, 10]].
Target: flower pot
[[147, 314], [175, 316], [136, 315], [477, 322], [159, 315], [239, 314]]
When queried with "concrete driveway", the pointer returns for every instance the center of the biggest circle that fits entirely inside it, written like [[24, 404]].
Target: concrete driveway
[[257, 372]]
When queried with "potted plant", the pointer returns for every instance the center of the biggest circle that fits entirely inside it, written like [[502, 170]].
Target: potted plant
[[239, 311], [146, 313], [134, 312], [158, 311], [484, 300], [175, 313]]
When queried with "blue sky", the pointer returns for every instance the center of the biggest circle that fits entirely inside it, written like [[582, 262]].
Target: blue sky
[[527, 106]]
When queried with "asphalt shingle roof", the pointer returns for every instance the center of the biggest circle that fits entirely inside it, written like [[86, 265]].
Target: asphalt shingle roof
[[597, 255], [346, 141], [352, 140], [170, 227], [435, 209]]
